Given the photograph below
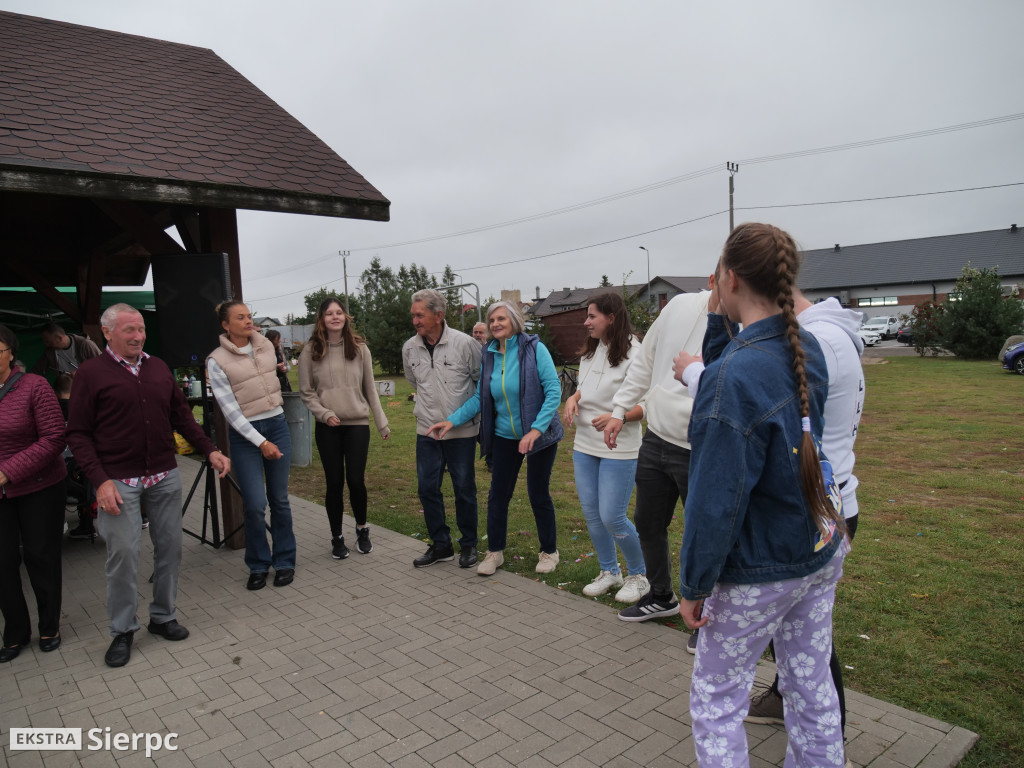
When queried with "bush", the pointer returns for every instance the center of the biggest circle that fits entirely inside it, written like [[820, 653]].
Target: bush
[[923, 325], [977, 318]]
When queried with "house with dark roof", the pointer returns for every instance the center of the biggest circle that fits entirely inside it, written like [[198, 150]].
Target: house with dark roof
[[892, 277], [662, 290], [107, 140]]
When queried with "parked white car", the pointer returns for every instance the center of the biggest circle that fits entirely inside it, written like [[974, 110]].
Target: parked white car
[[869, 337], [887, 326]]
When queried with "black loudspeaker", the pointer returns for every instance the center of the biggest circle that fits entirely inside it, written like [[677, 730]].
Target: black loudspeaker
[[187, 288]]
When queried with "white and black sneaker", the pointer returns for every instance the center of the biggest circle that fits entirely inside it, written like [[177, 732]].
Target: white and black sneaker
[[363, 540], [338, 549], [650, 607]]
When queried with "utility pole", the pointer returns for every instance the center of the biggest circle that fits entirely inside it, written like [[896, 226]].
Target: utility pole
[[344, 269], [733, 169]]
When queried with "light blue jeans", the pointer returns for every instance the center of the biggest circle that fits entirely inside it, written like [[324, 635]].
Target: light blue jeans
[[604, 486]]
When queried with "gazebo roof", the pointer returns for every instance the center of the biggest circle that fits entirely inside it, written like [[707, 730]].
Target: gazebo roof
[[93, 113]]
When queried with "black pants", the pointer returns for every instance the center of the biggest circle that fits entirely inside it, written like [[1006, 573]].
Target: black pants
[[662, 480], [343, 453], [35, 523]]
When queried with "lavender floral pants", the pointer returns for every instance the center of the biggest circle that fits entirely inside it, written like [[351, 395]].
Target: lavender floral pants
[[797, 614]]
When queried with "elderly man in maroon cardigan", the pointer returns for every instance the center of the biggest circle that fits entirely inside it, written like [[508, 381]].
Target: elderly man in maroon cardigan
[[124, 406]]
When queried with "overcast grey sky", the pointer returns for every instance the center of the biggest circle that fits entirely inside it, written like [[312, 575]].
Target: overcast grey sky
[[468, 113]]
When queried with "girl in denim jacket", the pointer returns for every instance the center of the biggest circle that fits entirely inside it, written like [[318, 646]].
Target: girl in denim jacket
[[761, 549]]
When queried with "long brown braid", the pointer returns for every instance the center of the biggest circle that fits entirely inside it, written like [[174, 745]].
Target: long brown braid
[[761, 254]]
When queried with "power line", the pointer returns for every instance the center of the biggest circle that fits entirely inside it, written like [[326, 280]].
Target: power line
[[321, 283], [670, 182]]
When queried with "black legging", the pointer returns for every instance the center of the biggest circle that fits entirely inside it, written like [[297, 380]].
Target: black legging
[[833, 663], [343, 453]]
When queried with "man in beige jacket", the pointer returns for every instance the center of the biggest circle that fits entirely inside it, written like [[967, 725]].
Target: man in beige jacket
[[443, 366]]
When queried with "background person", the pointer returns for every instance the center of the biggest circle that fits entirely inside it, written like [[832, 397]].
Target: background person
[[64, 352], [336, 384], [243, 376], [604, 478], [78, 487], [443, 366], [125, 406], [480, 333], [517, 397], [274, 337], [31, 503], [762, 543]]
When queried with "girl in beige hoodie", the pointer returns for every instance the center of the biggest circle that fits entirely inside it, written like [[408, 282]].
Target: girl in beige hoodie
[[336, 384]]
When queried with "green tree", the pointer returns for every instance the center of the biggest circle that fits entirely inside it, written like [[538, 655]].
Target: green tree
[[313, 301], [923, 324], [977, 318], [386, 296], [453, 300], [605, 282]]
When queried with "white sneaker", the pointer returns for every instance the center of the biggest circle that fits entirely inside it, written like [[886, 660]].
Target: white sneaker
[[490, 564], [605, 580], [634, 587], [546, 563]]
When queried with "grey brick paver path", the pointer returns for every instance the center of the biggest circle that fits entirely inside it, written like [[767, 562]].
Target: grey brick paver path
[[370, 662]]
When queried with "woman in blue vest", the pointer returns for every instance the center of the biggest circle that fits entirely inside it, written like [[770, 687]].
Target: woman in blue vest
[[517, 397]]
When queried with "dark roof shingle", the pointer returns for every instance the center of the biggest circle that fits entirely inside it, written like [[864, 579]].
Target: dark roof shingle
[[91, 101]]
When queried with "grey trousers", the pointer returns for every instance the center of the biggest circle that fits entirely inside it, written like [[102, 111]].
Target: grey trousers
[[123, 534]]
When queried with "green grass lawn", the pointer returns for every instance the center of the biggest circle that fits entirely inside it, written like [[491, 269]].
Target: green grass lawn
[[934, 580]]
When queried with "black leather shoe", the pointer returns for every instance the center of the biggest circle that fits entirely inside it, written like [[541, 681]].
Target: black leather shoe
[[10, 652], [169, 630], [120, 650], [467, 557], [47, 644], [434, 555], [284, 577], [256, 581]]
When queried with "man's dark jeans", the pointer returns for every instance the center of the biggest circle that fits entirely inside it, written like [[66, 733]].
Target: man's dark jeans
[[431, 457], [662, 478]]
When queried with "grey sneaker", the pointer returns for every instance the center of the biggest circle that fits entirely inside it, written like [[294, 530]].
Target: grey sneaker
[[691, 644], [766, 708]]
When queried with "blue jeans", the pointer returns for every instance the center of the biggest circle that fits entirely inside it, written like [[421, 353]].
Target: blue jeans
[[604, 486], [250, 469], [431, 457], [507, 461]]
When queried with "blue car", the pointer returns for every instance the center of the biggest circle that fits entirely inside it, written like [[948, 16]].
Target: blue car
[[1013, 358]]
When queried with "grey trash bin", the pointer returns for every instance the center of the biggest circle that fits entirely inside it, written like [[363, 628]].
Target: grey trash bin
[[300, 426]]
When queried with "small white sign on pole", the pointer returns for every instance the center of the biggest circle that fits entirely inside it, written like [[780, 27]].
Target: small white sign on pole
[[385, 388]]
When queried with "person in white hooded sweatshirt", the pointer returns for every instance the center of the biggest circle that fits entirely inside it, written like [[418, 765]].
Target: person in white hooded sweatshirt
[[835, 328]]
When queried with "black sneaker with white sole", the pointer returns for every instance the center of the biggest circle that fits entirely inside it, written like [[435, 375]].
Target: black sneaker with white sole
[[363, 540], [650, 607], [338, 549]]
